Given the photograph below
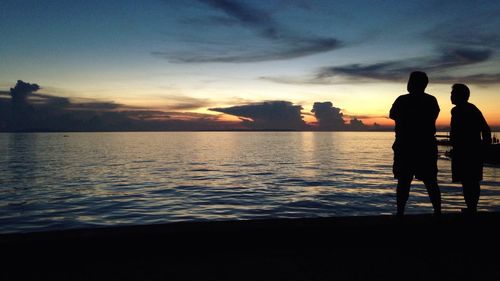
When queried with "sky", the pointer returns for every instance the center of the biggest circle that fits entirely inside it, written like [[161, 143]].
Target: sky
[[220, 64]]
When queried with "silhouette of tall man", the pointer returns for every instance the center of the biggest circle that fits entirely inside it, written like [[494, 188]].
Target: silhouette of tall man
[[469, 135], [415, 148]]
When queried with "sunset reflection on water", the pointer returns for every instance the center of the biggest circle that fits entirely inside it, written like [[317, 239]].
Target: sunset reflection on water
[[58, 181]]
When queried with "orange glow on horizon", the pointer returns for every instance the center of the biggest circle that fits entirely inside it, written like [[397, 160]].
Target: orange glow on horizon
[[352, 100]]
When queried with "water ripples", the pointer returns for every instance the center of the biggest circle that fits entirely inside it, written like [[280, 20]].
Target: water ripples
[[97, 179]]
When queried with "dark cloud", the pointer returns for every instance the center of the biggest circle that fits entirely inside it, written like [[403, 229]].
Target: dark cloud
[[460, 57], [283, 44], [283, 115], [289, 50], [21, 91], [474, 40], [271, 115], [397, 71], [247, 16], [328, 116], [460, 44], [356, 124], [480, 79]]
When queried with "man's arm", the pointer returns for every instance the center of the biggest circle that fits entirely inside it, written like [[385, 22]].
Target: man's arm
[[453, 126], [394, 112], [436, 109], [485, 129]]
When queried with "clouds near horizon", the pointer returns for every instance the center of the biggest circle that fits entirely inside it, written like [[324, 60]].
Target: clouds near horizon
[[22, 90], [328, 116], [22, 109], [45, 112], [284, 115], [269, 115]]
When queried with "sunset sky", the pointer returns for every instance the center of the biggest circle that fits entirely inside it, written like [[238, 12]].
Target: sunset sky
[[220, 60]]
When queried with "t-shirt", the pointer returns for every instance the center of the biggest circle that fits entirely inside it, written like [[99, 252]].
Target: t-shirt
[[467, 125], [415, 115]]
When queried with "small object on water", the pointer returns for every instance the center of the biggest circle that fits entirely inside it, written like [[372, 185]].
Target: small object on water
[[443, 139]]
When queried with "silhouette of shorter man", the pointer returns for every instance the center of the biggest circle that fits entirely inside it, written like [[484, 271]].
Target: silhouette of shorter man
[[415, 147], [467, 127]]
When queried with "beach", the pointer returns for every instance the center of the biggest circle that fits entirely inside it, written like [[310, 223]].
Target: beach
[[415, 247]]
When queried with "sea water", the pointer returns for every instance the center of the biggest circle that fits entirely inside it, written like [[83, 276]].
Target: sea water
[[72, 180]]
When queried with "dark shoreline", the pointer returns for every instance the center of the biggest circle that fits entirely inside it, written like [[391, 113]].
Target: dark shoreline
[[414, 247]]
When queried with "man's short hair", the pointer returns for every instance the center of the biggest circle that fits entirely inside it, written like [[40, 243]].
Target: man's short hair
[[461, 91], [417, 82]]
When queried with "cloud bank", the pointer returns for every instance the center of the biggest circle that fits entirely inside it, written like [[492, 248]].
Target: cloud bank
[[284, 115], [271, 115], [23, 109]]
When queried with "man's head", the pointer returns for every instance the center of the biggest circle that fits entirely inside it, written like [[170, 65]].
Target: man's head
[[460, 93], [417, 82]]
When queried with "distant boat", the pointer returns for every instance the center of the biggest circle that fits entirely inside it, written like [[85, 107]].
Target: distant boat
[[443, 140], [492, 154]]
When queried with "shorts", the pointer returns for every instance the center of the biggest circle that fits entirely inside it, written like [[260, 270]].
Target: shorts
[[466, 165], [419, 162]]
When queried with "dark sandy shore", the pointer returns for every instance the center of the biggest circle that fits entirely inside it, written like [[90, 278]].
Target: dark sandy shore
[[416, 247]]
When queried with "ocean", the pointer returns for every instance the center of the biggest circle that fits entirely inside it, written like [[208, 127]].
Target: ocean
[[74, 180]]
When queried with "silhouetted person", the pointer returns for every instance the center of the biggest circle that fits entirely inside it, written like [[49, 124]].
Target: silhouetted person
[[415, 148], [469, 136]]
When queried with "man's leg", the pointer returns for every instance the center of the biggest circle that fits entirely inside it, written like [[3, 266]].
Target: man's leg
[[402, 194], [471, 190], [476, 194], [434, 194]]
